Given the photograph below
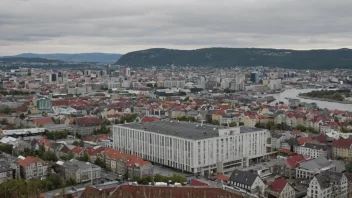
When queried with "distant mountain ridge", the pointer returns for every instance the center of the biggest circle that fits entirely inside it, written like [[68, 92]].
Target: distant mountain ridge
[[230, 57], [81, 57]]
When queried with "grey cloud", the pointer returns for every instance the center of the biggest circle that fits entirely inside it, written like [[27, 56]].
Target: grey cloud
[[124, 25]]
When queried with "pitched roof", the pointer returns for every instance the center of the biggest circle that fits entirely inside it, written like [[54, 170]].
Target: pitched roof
[[321, 138], [278, 184], [243, 177], [43, 121], [222, 177], [325, 179], [295, 160], [342, 143], [29, 160], [95, 193], [323, 147], [170, 192], [195, 182], [303, 140], [149, 119]]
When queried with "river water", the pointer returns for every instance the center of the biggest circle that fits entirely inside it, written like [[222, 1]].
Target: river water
[[293, 93]]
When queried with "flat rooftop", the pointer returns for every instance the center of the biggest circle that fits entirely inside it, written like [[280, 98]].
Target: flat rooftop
[[187, 130]]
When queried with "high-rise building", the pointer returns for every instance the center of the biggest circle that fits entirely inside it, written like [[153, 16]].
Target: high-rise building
[[255, 77], [53, 77], [191, 147], [128, 72], [108, 70]]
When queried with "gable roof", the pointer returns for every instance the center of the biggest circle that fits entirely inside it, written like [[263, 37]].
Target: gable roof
[[295, 160], [170, 192], [342, 143], [149, 119], [43, 121], [243, 177], [326, 178], [303, 140], [29, 160], [278, 184]]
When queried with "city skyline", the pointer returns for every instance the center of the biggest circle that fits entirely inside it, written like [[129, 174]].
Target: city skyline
[[124, 26]]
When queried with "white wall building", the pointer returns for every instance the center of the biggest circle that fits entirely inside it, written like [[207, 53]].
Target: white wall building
[[191, 147], [328, 184], [311, 150], [174, 83]]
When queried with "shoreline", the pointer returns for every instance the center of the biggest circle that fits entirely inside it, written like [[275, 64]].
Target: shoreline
[[325, 100]]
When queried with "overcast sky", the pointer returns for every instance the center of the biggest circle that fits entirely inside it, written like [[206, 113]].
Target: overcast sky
[[121, 26]]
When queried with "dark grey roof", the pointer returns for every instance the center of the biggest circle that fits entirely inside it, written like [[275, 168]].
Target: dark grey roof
[[323, 147], [184, 129], [276, 135], [75, 165], [325, 179], [316, 164], [4, 166], [243, 177]]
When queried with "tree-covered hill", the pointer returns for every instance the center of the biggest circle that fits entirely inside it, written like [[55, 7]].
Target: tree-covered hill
[[228, 57]]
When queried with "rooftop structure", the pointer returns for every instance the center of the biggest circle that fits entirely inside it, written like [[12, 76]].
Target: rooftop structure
[[189, 130]]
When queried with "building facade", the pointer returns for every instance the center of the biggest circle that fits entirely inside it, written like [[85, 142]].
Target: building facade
[[81, 171], [191, 147], [328, 185], [33, 168]]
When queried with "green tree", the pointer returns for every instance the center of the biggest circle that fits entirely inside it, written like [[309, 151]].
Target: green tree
[[6, 110], [22, 116], [233, 124], [4, 121], [241, 123], [215, 122], [344, 130], [84, 158], [301, 128], [6, 148]]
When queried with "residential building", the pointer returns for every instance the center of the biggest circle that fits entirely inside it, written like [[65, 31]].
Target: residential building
[[6, 171], [44, 104], [309, 168], [311, 150], [248, 181], [81, 171], [191, 147], [280, 188], [33, 168], [327, 185], [342, 148]]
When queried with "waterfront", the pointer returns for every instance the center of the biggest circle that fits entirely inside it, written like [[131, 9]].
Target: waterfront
[[293, 93]]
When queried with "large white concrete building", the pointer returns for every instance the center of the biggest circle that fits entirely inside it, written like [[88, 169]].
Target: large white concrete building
[[192, 147]]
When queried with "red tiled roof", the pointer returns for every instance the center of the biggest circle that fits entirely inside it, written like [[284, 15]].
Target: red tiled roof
[[77, 150], [130, 191], [28, 161], [88, 121], [94, 192], [149, 119], [222, 177], [303, 140], [297, 132], [295, 160], [195, 182], [321, 138], [342, 143], [43, 121], [287, 151], [278, 184]]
